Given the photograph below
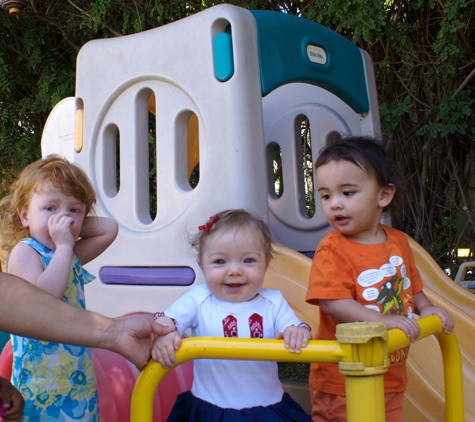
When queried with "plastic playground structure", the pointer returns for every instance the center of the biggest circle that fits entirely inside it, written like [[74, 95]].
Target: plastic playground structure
[[226, 87]]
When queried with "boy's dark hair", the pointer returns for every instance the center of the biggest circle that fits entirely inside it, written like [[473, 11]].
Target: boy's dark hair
[[369, 155]]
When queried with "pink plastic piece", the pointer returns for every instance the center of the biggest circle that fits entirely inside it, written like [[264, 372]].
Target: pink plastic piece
[[116, 378]]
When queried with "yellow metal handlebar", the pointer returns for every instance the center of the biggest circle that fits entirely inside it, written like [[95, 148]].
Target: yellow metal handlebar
[[316, 351]]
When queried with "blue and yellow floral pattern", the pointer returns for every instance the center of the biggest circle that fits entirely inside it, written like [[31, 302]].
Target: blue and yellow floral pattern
[[56, 380]]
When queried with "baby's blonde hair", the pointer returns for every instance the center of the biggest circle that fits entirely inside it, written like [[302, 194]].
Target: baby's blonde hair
[[233, 220], [54, 171]]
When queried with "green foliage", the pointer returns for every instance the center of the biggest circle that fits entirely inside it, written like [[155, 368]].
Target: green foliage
[[449, 229], [423, 55], [452, 117], [391, 115], [356, 19], [34, 76], [122, 17]]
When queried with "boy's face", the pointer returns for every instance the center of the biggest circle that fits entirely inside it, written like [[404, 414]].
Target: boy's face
[[352, 200], [234, 264]]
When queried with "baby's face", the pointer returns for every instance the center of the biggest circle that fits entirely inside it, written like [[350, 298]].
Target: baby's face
[[234, 264], [352, 200]]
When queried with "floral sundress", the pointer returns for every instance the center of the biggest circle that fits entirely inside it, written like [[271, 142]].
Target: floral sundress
[[56, 380]]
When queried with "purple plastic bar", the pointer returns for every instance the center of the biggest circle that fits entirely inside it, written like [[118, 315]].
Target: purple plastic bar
[[149, 276]]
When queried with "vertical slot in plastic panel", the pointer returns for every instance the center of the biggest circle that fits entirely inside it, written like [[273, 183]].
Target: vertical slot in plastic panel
[[223, 56]]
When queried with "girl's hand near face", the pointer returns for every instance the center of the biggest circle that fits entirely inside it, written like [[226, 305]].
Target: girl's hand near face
[[295, 338], [59, 226]]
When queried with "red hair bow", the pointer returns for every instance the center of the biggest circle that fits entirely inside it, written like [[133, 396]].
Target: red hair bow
[[207, 227]]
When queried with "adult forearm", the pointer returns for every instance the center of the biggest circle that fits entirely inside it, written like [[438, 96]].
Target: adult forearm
[[30, 312]]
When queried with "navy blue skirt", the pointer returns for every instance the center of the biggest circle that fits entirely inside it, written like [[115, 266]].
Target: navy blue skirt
[[189, 408]]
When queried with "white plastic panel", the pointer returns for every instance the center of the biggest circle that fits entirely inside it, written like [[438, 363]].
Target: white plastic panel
[[115, 78], [58, 133], [175, 62], [327, 115]]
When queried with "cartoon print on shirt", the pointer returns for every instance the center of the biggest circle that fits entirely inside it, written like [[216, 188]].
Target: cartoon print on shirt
[[384, 294], [389, 296], [256, 326], [230, 328]]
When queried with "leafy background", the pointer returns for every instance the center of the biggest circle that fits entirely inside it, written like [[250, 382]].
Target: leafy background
[[423, 53]]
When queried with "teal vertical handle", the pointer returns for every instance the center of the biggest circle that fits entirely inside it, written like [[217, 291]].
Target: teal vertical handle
[[223, 56]]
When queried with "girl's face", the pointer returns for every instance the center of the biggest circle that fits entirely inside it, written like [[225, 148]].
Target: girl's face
[[234, 264], [47, 203], [352, 200]]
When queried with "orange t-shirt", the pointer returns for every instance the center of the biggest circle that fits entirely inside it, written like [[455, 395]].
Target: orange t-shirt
[[382, 277]]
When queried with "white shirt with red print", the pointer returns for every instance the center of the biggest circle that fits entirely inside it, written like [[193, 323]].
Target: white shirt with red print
[[234, 383]]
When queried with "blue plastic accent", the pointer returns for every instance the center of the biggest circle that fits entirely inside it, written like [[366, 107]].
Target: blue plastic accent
[[148, 276], [223, 56], [283, 41], [4, 337]]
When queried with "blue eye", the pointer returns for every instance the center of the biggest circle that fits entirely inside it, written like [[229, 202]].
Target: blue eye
[[249, 261], [73, 210], [220, 261]]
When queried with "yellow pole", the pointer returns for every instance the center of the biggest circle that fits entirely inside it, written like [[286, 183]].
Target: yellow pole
[[225, 348], [454, 404], [364, 367], [361, 353]]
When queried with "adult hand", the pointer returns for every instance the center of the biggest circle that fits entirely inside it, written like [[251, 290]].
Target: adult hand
[[21, 303], [135, 336]]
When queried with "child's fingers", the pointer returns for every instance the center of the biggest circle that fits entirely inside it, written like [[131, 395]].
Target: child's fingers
[[169, 356], [60, 218], [164, 359], [294, 345], [410, 327], [447, 322], [415, 330], [302, 340], [287, 336], [177, 342], [306, 338], [294, 338], [163, 350], [297, 340], [59, 222]]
